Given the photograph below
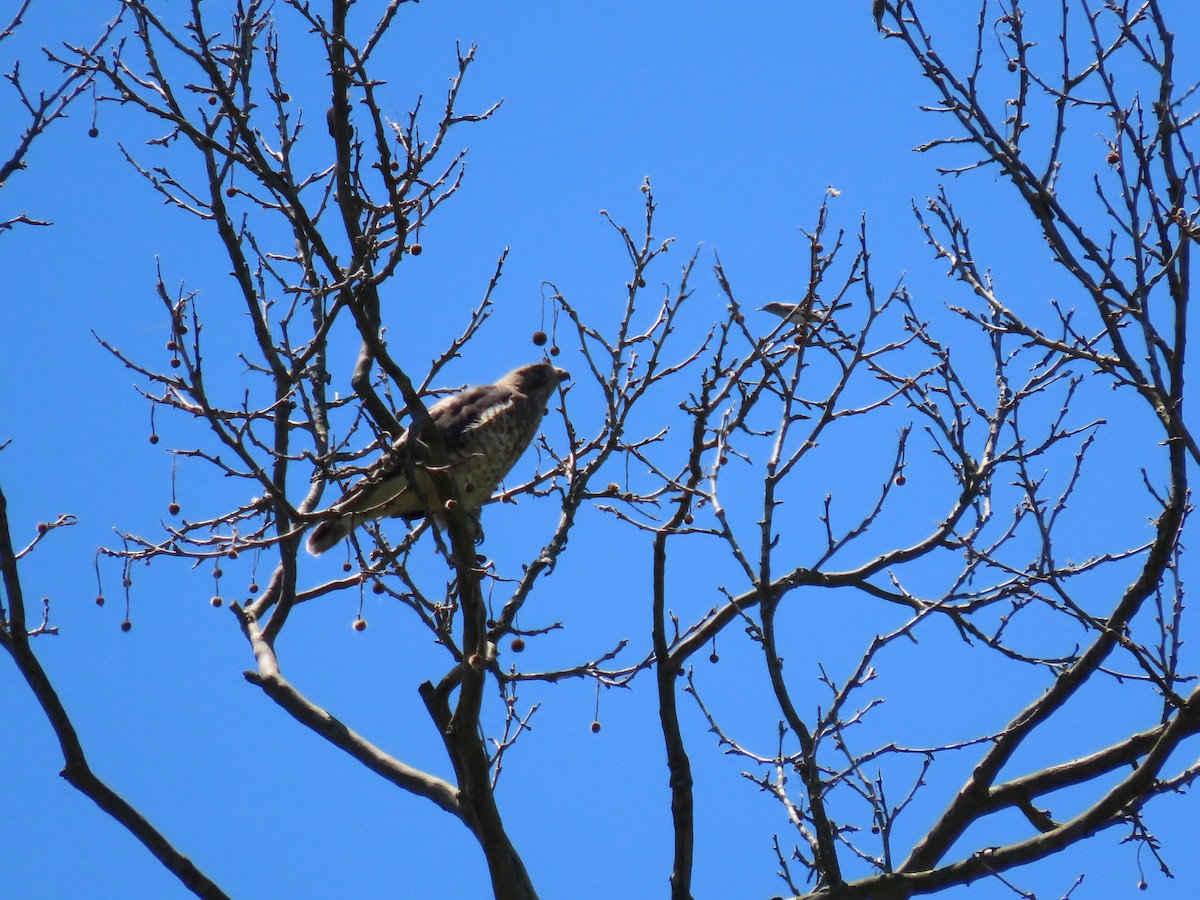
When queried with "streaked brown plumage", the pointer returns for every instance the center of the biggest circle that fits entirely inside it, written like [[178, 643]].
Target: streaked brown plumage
[[486, 429]]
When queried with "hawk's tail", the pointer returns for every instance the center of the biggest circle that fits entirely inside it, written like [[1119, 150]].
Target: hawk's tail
[[328, 533]]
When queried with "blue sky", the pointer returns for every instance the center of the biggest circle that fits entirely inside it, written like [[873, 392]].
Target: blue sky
[[742, 121]]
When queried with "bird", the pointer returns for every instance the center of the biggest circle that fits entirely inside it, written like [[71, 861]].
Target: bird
[[801, 313], [486, 429]]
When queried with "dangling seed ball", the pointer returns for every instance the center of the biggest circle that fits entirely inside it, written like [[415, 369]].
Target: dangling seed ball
[[360, 624], [539, 339], [518, 645], [595, 728]]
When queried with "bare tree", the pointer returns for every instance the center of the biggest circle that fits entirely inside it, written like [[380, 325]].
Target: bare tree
[[43, 109], [713, 440]]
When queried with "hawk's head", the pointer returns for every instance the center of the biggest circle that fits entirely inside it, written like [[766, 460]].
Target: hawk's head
[[535, 380]]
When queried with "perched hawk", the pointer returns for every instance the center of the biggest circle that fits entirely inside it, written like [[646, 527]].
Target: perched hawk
[[486, 428]]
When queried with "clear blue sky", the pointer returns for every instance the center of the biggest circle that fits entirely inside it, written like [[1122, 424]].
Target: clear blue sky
[[742, 120]]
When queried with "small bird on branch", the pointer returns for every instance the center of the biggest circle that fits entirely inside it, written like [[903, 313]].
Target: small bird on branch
[[486, 428], [806, 314]]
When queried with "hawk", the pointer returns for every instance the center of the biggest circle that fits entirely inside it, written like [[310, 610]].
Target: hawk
[[486, 428]]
